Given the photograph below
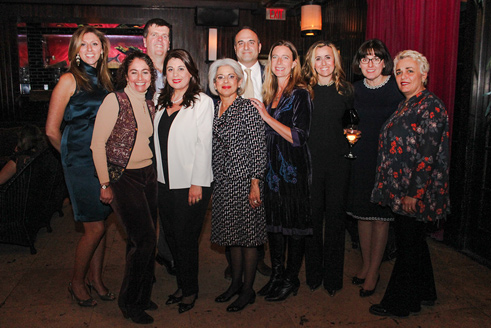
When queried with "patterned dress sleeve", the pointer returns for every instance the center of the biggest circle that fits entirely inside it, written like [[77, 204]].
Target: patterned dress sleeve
[[302, 115], [429, 130]]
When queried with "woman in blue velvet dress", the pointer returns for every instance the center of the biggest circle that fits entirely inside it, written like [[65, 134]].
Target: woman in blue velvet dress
[[288, 169], [75, 101]]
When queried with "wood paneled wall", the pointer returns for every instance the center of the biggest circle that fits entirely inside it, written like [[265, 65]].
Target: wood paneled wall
[[343, 23]]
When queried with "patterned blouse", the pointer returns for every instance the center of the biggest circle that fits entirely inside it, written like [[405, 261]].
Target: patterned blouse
[[413, 158]]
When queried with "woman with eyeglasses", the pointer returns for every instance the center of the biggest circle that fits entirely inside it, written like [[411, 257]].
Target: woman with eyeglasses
[[238, 161], [376, 98]]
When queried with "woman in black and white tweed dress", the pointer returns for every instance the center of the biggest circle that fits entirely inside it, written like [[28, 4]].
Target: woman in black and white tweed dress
[[239, 158]]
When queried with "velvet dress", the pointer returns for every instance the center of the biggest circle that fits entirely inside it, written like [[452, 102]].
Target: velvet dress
[[76, 156], [288, 169]]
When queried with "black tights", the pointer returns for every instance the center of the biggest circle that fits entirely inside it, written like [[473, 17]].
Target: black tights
[[244, 262]]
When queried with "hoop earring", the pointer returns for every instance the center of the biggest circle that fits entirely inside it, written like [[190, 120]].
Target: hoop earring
[[77, 59]]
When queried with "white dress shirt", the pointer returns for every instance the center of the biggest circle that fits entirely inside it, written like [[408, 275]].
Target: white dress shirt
[[257, 80]]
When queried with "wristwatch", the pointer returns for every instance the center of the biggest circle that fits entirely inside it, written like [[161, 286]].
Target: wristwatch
[[104, 186]]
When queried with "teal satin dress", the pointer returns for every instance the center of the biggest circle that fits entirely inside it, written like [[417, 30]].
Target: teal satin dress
[[76, 155]]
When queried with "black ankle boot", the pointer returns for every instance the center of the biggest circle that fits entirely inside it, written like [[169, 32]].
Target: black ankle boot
[[289, 286], [274, 282]]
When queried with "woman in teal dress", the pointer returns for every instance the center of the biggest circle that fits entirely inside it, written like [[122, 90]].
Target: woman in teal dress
[[75, 101]]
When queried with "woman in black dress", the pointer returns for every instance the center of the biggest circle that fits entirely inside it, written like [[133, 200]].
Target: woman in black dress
[[376, 98], [239, 158], [288, 177], [324, 251]]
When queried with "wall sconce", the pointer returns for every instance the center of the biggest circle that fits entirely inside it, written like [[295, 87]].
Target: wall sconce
[[212, 44], [311, 19]]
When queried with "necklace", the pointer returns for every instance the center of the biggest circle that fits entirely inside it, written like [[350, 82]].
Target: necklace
[[377, 86], [326, 85], [176, 101]]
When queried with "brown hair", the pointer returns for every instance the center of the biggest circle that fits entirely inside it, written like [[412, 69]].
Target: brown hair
[[270, 85], [103, 74], [30, 137]]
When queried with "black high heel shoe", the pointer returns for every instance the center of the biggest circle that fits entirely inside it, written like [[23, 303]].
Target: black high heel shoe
[[357, 281], [109, 296], [140, 317], [237, 306], [225, 297], [184, 307], [173, 299], [366, 293], [90, 302], [284, 290]]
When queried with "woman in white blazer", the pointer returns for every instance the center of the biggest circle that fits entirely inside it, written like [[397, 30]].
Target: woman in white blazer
[[183, 142]]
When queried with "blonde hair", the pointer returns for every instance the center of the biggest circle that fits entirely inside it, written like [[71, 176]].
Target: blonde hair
[[103, 74], [424, 65], [270, 85], [311, 76]]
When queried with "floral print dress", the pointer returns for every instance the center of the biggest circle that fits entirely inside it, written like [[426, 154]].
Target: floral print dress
[[413, 158], [288, 170]]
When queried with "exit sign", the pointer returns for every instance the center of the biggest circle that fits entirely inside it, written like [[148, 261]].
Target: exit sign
[[275, 14]]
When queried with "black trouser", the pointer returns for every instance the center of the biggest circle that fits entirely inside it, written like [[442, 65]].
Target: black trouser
[[163, 249], [412, 279], [324, 250], [182, 224], [135, 203]]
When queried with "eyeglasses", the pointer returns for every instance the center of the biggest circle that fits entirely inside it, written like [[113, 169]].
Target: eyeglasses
[[230, 77], [374, 60]]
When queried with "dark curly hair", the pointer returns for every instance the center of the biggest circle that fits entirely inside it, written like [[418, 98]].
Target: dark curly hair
[[123, 70]]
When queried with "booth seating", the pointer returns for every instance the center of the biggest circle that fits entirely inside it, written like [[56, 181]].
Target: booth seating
[[30, 198]]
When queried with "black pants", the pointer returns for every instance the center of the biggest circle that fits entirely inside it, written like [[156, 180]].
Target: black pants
[[324, 250], [412, 279], [182, 224], [135, 203]]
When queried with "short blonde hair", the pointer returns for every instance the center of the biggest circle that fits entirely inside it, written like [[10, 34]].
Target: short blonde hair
[[424, 65], [212, 74]]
